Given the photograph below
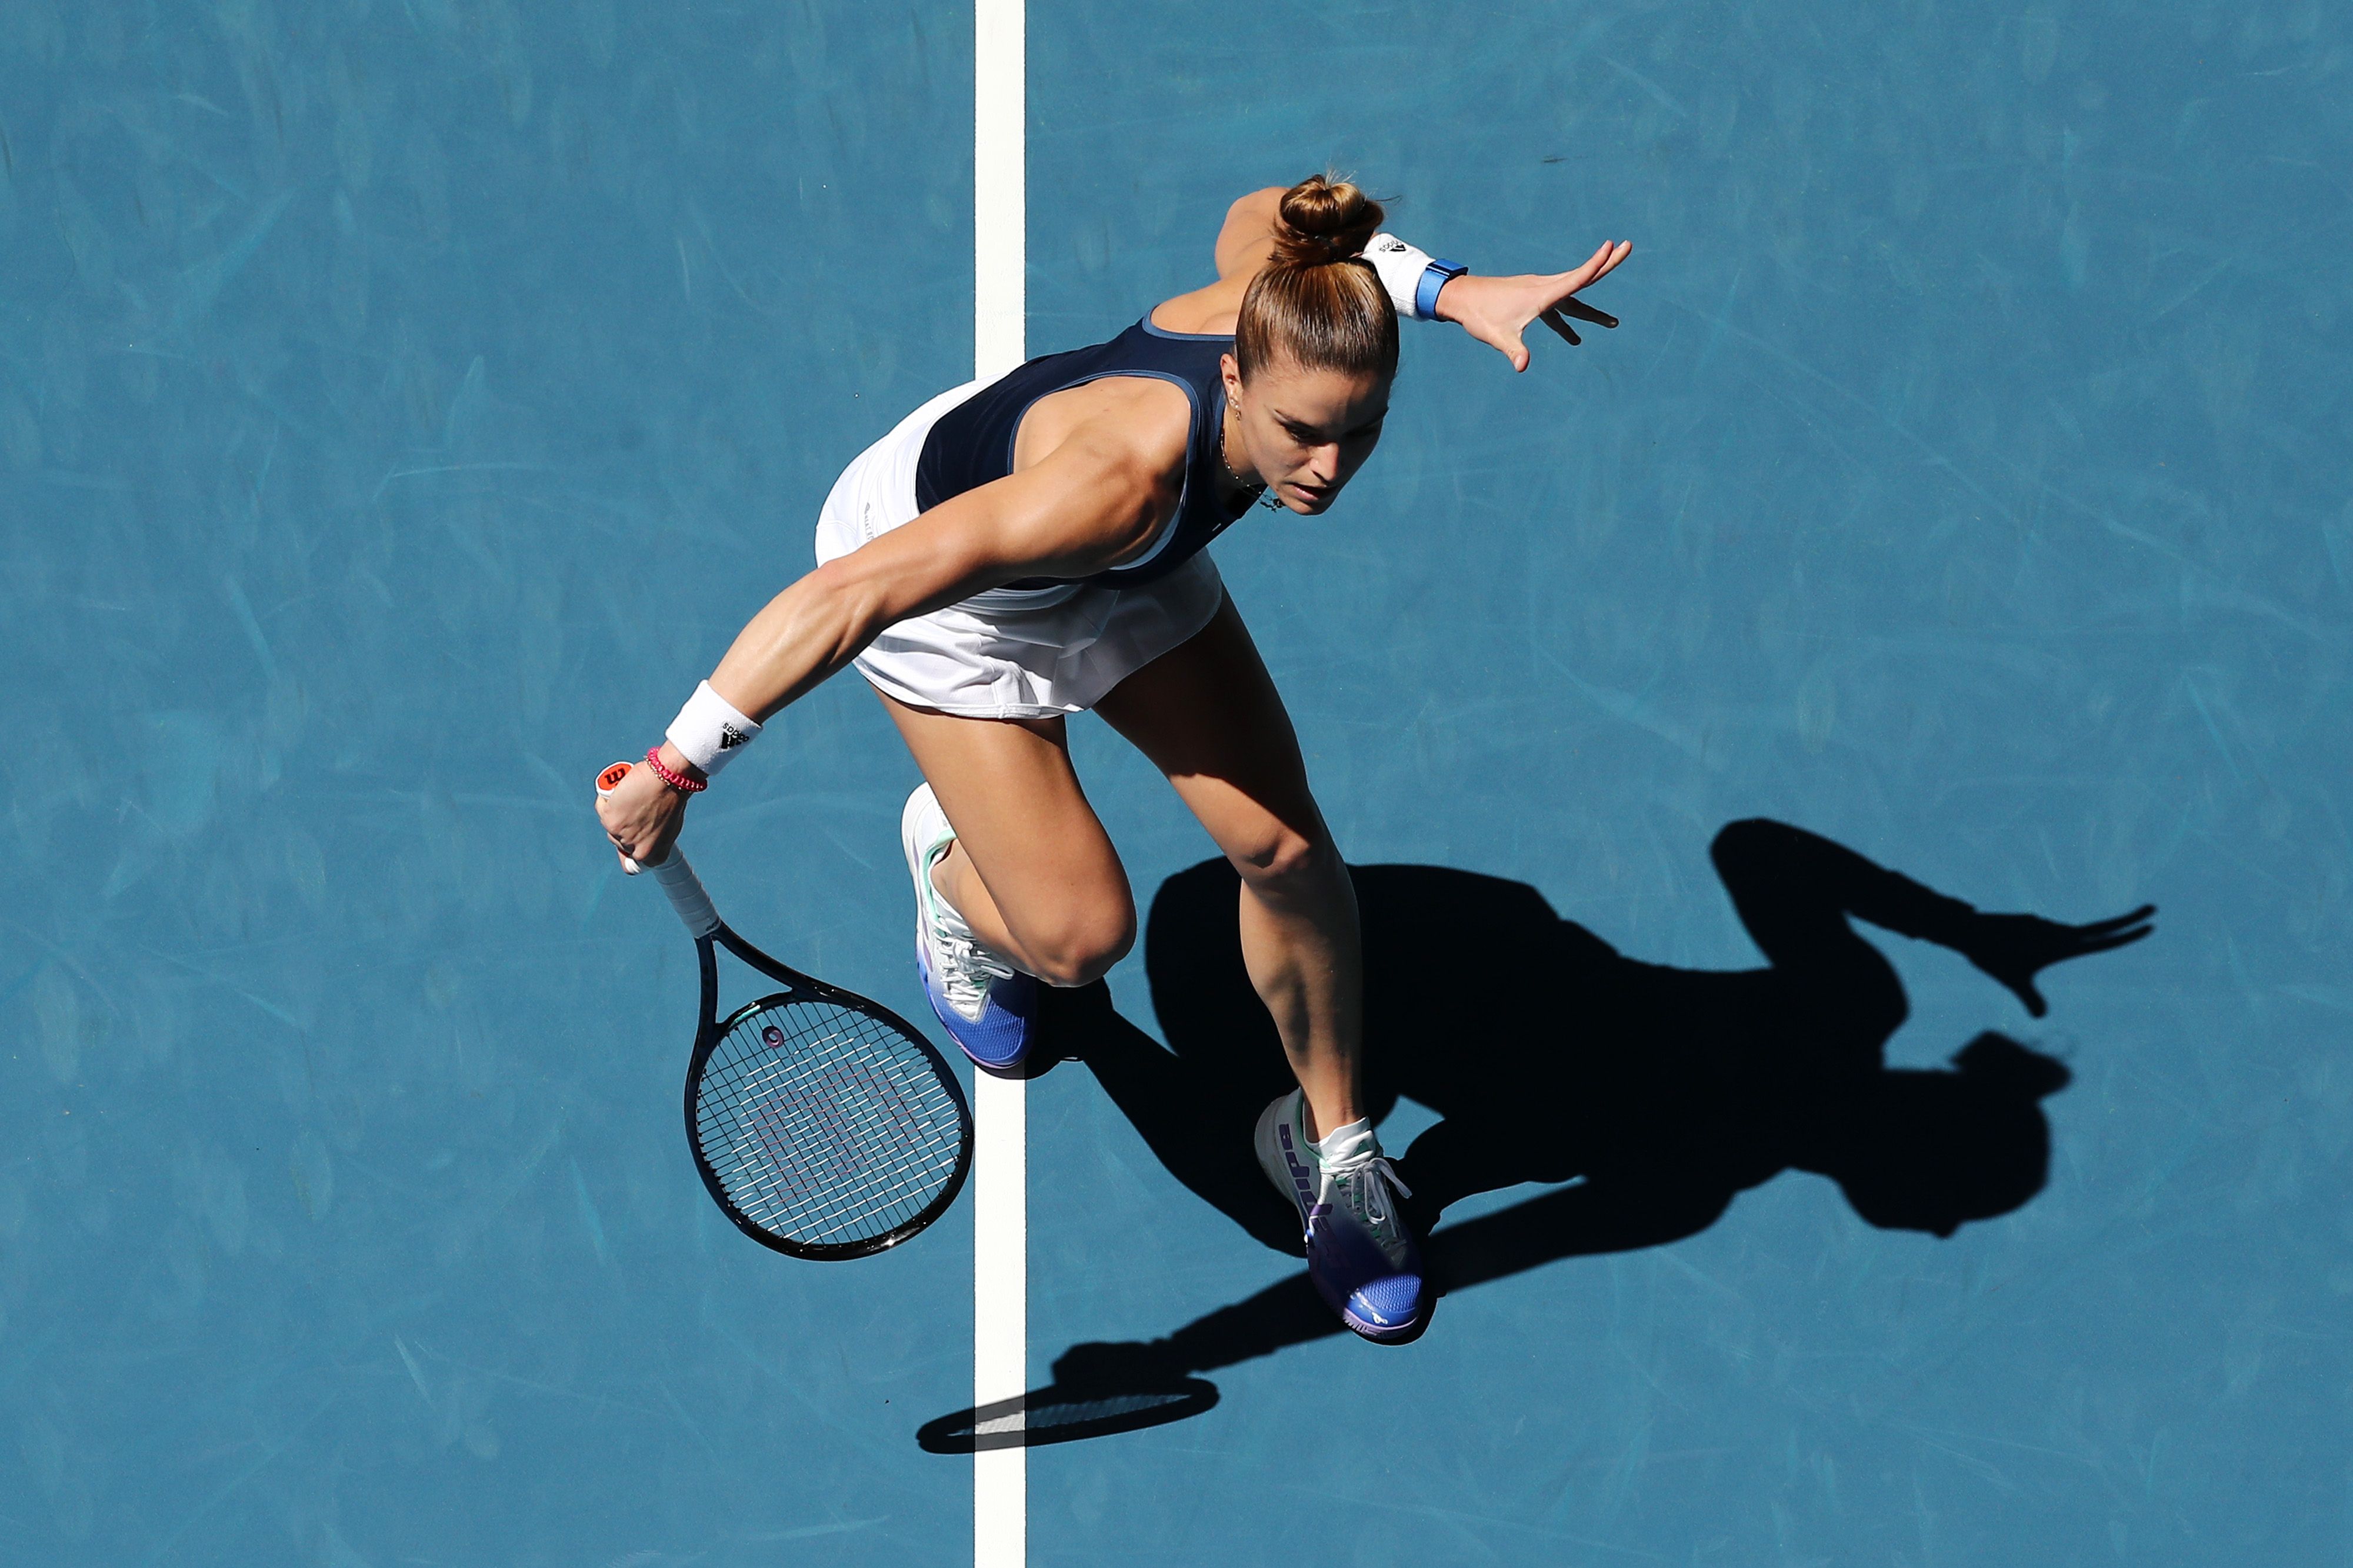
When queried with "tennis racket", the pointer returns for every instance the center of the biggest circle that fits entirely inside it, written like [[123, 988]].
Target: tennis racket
[[822, 1124]]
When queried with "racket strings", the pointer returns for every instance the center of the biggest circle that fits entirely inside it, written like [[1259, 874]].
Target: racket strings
[[825, 1125], [827, 1157]]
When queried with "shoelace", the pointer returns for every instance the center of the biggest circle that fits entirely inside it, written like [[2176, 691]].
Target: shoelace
[[1381, 1175], [962, 963]]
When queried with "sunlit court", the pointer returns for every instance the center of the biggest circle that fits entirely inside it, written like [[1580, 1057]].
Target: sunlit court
[[1017, 783]]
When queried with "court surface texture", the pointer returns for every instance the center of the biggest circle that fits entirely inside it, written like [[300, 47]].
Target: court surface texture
[[402, 403]]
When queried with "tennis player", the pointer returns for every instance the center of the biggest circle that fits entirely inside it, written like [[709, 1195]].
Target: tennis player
[[1021, 551]]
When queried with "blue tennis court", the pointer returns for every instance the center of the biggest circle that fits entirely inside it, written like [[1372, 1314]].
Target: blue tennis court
[[404, 402]]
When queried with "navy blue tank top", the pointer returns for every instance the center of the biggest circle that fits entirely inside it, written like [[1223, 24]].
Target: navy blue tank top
[[973, 442]]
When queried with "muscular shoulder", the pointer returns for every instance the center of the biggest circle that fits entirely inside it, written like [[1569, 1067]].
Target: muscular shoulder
[[1097, 470], [1136, 426]]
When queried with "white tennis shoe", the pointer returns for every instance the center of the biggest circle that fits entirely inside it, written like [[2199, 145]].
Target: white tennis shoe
[[987, 1006]]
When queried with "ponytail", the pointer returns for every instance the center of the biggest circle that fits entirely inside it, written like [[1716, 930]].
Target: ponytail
[[1317, 303]]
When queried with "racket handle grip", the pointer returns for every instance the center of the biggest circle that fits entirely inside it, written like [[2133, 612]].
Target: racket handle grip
[[686, 894], [677, 877]]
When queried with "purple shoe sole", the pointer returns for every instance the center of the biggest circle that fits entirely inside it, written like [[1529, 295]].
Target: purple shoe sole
[[999, 1043], [1378, 1333], [1386, 1308]]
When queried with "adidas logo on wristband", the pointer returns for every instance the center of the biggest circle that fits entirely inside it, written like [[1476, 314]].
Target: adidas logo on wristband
[[708, 731]]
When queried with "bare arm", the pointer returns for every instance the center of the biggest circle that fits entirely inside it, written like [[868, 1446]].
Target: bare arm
[[1090, 503], [1495, 309], [1245, 243], [1085, 506], [1247, 240]]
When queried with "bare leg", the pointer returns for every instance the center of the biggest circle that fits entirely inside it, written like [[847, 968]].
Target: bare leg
[[1031, 870], [1209, 716]]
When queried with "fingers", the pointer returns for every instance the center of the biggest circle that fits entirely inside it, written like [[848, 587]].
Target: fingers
[[632, 836], [1597, 263], [2035, 1005], [1565, 285], [2118, 922], [621, 847], [1599, 266]]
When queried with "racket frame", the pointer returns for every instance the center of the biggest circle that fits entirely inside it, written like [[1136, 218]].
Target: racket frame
[[692, 902], [805, 988]]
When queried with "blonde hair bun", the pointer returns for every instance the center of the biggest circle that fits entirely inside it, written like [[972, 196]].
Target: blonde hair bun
[[1322, 220], [1317, 304]]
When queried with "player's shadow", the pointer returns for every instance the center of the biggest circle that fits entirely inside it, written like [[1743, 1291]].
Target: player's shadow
[[1657, 1093]]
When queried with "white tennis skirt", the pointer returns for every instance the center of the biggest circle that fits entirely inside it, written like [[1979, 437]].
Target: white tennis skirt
[[1007, 653]]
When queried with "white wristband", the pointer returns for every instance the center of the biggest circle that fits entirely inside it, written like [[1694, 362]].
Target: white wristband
[[1412, 276], [709, 732]]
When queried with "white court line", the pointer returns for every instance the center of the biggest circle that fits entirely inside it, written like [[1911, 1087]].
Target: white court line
[[1000, 225], [1000, 1201], [1000, 1338]]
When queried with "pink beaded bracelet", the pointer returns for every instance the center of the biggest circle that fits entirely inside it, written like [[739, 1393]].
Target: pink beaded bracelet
[[678, 781]]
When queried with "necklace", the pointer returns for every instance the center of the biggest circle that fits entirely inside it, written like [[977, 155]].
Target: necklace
[[1254, 491]]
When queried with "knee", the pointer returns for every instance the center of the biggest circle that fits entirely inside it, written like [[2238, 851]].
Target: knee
[[1079, 945], [1284, 864]]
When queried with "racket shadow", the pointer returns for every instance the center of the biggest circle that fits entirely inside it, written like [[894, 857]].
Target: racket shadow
[[1664, 1092], [1068, 1412]]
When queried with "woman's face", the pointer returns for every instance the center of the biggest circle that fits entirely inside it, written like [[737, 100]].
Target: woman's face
[[1305, 431]]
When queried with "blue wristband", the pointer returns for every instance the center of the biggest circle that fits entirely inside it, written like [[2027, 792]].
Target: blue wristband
[[1434, 276]]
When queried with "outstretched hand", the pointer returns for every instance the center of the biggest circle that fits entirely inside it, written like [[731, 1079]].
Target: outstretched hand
[[1497, 310], [2013, 949]]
